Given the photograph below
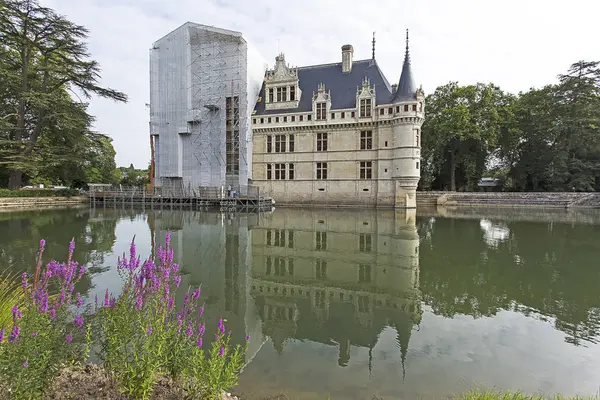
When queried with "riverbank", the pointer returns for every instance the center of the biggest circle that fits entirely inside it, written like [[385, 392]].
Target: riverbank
[[40, 203], [509, 199]]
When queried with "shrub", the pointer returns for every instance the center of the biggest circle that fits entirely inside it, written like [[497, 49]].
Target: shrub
[[144, 336], [47, 332], [10, 295], [39, 193]]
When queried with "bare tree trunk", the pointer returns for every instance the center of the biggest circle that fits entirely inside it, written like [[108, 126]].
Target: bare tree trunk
[[452, 171], [15, 179]]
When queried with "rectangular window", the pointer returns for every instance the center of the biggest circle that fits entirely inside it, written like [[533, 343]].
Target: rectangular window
[[291, 144], [269, 144], [254, 120], [381, 111], [309, 117], [321, 141], [292, 93], [405, 107], [279, 94], [284, 93], [352, 114], [269, 120], [332, 115], [321, 240], [262, 120], [301, 117], [366, 170], [269, 171], [391, 110], [293, 118], [364, 273], [420, 107], [279, 143], [366, 140], [291, 171], [279, 171], [276, 119], [321, 269], [343, 115], [414, 107], [284, 119], [321, 170], [321, 111], [364, 242], [365, 108], [418, 139], [271, 95]]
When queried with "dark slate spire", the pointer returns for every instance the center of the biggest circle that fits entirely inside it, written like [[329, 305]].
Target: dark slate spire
[[406, 86], [373, 56]]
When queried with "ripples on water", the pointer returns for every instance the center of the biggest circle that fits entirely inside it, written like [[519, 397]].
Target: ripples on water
[[353, 304]]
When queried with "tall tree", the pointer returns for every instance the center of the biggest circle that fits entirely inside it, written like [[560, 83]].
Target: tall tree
[[461, 129], [43, 53]]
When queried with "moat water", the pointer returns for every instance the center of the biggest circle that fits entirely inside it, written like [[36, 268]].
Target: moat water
[[352, 304]]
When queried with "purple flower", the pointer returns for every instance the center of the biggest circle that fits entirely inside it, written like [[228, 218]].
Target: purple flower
[[24, 280], [1, 335], [106, 299], [69, 338], [16, 313], [186, 299], [25, 364], [139, 303], [190, 329], [14, 334], [149, 331], [196, 294], [247, 338], [199, 342], [34, 334], [201, 311], [71, 248], [178, 280], [79, 299], [42, 243], [170, 303], [201, 329], [78, 321], [221, 351], [52, 314], [221, 326]]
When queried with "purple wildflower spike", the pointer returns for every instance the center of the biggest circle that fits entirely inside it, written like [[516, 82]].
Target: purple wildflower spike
[[69, 338], [178, 280], [139, 303], [221, 351], [42, 243], [247, 338], [221, 326], [1, 335], [196, 294], [25, 364], [149, 331], [24, 283], [199, 342], [14, 334], [78, 321], [201, 311]]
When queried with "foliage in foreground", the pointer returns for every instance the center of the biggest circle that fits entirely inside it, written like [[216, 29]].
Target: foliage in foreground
[[48, 332], [142, 335], [10, 295], [39, 193], [492, 395]]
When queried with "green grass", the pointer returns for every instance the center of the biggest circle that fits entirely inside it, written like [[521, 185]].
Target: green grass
[[10, 295], [38, 193], [491, 395]]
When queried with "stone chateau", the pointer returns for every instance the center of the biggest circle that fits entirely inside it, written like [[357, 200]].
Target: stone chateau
[[338, 134]]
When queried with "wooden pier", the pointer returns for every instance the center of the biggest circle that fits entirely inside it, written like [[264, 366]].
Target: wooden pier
[[224, 199]]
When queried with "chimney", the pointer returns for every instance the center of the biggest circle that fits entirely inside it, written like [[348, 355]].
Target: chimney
[[347, 52]]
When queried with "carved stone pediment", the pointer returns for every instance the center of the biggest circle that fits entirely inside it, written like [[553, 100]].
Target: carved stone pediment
[[281, 72], [322, 94], [365, 90]]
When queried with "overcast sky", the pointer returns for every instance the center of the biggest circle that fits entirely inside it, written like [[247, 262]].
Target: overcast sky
[[516, 44]]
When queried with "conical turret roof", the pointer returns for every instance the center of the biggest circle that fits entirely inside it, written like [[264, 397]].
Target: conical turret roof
[[406, 86]]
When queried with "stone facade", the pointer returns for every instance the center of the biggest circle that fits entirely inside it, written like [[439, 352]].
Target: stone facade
[[338, 134]]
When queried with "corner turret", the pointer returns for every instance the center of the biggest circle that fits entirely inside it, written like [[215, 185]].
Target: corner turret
[[407, 89]]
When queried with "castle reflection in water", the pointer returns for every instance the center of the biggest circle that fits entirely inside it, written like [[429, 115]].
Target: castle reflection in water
[[328, 276]]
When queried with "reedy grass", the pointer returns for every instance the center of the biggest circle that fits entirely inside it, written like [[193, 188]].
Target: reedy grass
[[10, 295], [494, 395]]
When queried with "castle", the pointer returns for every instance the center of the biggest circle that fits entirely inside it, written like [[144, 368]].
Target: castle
[[338, 134]]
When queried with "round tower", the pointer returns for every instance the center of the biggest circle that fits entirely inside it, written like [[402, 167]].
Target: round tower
[[409, 106]]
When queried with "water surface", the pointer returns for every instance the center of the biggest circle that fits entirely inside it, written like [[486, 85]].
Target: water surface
[[351, 304]]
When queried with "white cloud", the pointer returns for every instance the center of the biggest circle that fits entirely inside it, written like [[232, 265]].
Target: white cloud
[[515, 44]]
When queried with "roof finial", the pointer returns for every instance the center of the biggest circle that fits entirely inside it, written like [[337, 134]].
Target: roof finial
[[407, 42], [373, 46]]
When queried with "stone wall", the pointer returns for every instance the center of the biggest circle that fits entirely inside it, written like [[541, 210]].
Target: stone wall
[[509, 199], [29, 203]]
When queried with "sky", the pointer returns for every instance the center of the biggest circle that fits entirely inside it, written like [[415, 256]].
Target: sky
[[516, 44]]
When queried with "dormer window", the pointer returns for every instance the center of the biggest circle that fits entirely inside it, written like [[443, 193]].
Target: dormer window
[[292, 93], [321, 111], [279, 93], [270, 95], [365, 108]]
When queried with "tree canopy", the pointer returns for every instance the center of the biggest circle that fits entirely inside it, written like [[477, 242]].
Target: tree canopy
[[543, 139], [44, 133]]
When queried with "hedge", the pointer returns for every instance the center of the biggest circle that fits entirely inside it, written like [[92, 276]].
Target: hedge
[[39, 193]]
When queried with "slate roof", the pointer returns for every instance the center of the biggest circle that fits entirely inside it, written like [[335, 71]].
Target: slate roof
[[343, 86], [406, 85]]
